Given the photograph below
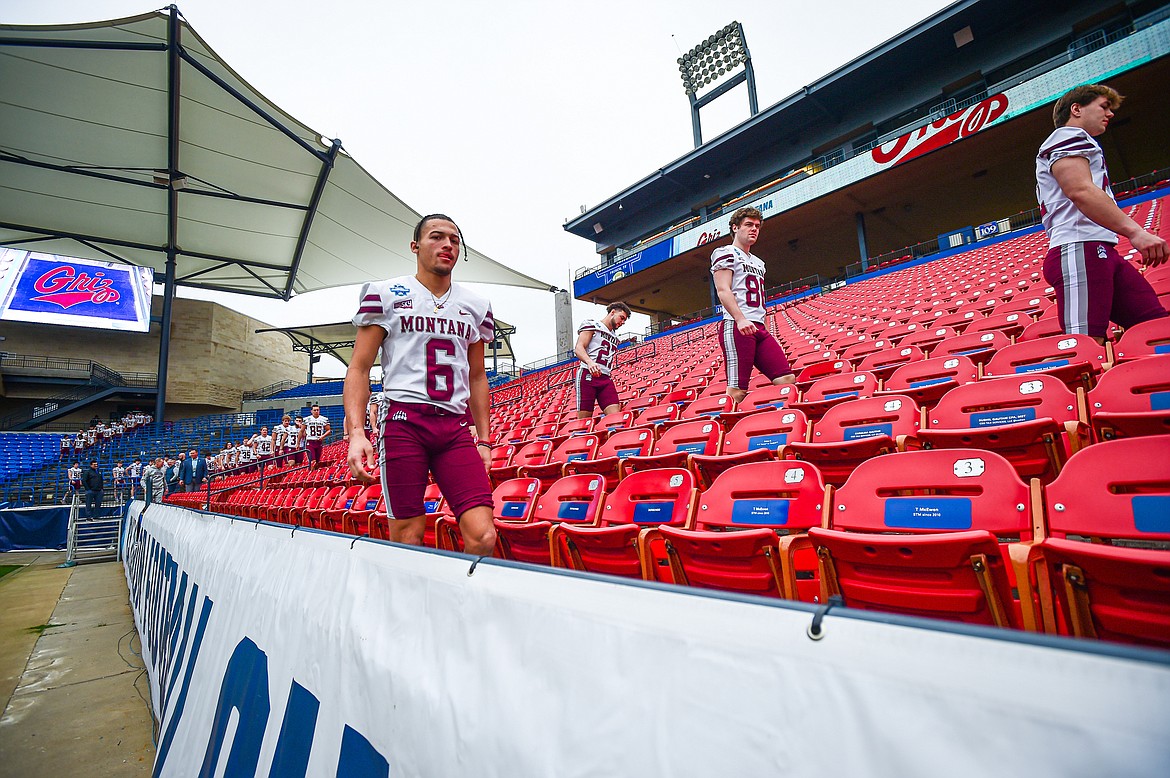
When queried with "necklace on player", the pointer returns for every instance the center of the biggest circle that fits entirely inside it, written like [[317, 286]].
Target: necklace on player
[[439, 301]]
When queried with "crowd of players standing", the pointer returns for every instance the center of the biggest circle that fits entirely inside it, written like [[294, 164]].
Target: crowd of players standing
[[290, 441]]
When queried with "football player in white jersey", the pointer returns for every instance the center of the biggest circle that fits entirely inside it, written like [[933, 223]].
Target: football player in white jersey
[[264, 445], [432, 334], [316, 430], [1094, 284], [596, 347], [739, 282]]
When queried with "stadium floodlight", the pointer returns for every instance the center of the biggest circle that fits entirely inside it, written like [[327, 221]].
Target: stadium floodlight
[[718, 55]]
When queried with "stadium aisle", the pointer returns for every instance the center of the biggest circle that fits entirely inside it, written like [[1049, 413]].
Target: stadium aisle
[[70, 677]]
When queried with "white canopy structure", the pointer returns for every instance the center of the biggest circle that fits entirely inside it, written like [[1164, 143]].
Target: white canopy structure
[[132, 140]]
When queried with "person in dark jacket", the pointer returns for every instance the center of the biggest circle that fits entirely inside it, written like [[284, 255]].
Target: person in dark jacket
[[94, 483]]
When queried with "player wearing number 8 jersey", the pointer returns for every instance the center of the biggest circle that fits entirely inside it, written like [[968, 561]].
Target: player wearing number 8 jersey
[[739, 281], [432, 334], [597, 345]]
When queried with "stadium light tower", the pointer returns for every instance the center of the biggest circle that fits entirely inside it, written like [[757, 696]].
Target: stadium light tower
[[708, 62]]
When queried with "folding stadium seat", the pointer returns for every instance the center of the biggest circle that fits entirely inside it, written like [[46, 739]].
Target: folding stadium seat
[[614, 421], [926, 533], [1033, 306], [1034, 421], [1010, 324], [572, 449], [927, 380], [285, 499], [834, 390], [883, 363], [648, 497], [1044, 327], [758, 437], [636, 441], [747, 535], [534, 453], [1117, 587], [815, 371], [543, 431], [577, 426], [1143, 340], [676, 444], [512, 501], [640, 404], [576, 499], [502, 455], [657, 414], [979, 347], [958, 321], [310, 515], [1132, 399], [1074, 359], [859, 351], [355, 520], [330, 517], [857, 430], [708, 407]]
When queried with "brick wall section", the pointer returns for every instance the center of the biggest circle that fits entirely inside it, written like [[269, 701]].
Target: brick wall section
[[215, 352]]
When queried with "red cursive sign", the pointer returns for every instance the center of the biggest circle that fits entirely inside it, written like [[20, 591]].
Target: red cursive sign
[[940, 133], [66, 287]]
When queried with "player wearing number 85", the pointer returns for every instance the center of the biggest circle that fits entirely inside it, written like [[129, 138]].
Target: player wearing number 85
[[739, 281], [431, 333], [597, 345]]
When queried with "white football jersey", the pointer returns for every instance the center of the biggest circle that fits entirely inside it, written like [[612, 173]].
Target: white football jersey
[[119, 473], [747, 280], [1063, 221], [264, 445], [315, 427], [424, 351], [75, 475], [603, 346]]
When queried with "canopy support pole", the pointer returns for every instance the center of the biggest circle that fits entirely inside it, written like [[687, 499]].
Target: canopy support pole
[[174, 64]]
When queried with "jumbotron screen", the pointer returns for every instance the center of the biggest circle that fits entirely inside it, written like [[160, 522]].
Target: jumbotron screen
[[52, 289]]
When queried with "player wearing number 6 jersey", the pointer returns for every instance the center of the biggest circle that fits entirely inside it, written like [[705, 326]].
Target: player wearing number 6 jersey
[[597, 345], [432, 334], [739, 281]]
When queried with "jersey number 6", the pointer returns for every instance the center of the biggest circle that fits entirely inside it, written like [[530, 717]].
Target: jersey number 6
[[440, 375]]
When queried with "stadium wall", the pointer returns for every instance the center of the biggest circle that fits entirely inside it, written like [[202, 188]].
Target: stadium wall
[[215, 356], [279, 651]]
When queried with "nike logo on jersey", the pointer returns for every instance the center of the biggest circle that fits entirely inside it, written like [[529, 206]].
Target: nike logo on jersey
[[462, 424]]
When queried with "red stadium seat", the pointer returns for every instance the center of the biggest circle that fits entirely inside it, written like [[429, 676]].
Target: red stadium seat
[[755, 438], [356, 520], [925, 533], [535, 453], [512, 501], [1075, 359], [884, 363], [834, 390], [857, 430], [572, 449], [1149, 338], [979, 347], [748, 532], [330, 517], [311, 516], [675, 446], [926, 381], [637, 441], [1034, 421], [648, 497], [576, 499], [1117, 587], [1132, 399]]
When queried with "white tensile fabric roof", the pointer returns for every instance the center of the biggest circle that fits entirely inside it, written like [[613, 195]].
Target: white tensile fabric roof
[[263, 205]]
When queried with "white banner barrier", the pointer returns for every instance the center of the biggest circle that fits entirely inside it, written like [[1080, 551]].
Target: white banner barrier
[[273, 652]]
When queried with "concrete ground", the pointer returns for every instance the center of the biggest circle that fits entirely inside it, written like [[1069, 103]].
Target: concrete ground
[[72, 687]]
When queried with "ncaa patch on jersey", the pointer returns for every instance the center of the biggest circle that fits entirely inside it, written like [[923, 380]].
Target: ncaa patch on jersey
[[398, 290], [403, 304]]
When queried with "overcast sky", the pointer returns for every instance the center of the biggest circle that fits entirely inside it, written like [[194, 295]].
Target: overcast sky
[[507, 116]]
